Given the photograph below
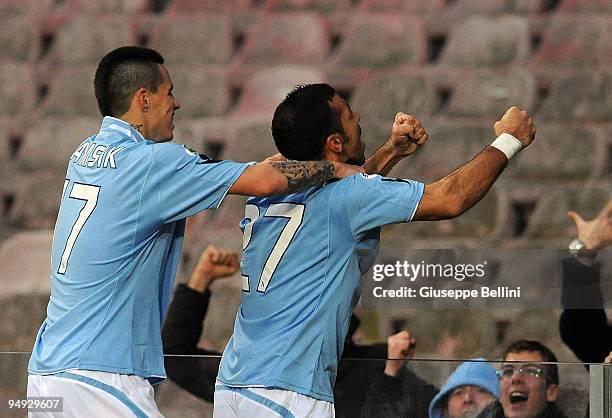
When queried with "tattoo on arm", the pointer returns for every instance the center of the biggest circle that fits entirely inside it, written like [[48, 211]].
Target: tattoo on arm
[[303, 174]]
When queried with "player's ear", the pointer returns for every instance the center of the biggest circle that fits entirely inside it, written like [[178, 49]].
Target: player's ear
[[334, 143], [141, 99]]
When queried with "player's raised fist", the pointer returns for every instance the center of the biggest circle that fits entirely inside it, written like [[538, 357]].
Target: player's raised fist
[[517, 123], [407, 134]]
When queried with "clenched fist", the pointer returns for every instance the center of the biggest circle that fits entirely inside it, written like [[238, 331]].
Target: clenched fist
[[400, 348], [517, 123], [407, 134]]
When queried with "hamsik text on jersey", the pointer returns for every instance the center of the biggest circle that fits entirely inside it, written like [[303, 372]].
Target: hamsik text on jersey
[[304, 255], [116, 248]]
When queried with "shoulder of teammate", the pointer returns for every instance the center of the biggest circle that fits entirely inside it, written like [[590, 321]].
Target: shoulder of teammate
[[167, 152]]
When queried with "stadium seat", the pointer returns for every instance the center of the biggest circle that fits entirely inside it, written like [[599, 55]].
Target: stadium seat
[[576, 42], [17, 38], [193, 39], [71, 93], [200, 89], [382, 41], [587, 6], [51, 142], [381, 97], [31, 277], [197, 6], [549, 220], [85, 40], [251, 139], [287, 39], [268, 87], [490, 94], [578, 155], [16, 88], [396, 6], [320, 6], [491, 42], [107, 6], [37, 197], [585, 96]]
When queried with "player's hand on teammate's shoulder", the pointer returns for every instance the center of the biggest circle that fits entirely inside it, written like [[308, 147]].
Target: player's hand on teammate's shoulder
[[517, 123], [400, 349], [214, 263], [407, 134], [275, 158]]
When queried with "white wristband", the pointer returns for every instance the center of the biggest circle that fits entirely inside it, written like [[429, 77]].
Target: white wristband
[[507, 144]]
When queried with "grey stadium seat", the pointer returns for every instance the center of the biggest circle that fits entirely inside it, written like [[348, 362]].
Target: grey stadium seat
[[297, 38], [480, 41], [193, 39], [382, 41]]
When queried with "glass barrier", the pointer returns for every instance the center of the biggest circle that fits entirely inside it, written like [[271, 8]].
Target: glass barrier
[[365, 387]]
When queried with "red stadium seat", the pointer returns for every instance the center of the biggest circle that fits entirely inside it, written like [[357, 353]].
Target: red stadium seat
[[71, 93], [251, 139], [319, 6], [489, 94], [107, 6], [576, 42], [200, 89], [193, 39], [18, 277], [583, 96], [17, 38], [380, 98], [85, 40], [549, 221], [491, 42], [578, 154], [587, 6], [268, 87], [382, 41], [16, 88], [51, 142], [287, 39], [197, 6], [397, 6]]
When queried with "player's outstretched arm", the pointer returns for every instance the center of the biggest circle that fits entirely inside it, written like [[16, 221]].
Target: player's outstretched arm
[[407, 135], [464, 187], [282, 177]]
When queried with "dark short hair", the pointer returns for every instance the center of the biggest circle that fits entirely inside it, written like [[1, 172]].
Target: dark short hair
[[552, 371], [304, 120], [121, 73]]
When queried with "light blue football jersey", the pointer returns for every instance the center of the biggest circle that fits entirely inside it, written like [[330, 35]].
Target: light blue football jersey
[[116, 248], [304, 255]]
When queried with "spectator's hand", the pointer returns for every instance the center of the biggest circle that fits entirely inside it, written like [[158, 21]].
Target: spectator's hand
[[596, 234], [608, 359], [407, 134], [517, 123], [400, 348], [213, 264]]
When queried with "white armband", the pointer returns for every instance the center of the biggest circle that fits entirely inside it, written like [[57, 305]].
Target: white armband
[[507, 144]]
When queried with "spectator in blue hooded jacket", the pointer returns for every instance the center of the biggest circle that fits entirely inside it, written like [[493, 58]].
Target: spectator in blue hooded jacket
[[468, 390]]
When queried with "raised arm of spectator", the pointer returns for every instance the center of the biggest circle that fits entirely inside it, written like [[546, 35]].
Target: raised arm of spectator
[[583, 324], [183, 326], [464, 187]]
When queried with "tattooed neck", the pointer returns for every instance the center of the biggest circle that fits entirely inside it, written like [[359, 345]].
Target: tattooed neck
[[137, 127], [303, 174]]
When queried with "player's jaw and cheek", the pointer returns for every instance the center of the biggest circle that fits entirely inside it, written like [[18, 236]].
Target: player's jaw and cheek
[[163, 104], [354, 148]]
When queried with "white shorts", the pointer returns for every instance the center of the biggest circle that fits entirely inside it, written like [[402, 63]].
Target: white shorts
[[256, 402], [95, 394]]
